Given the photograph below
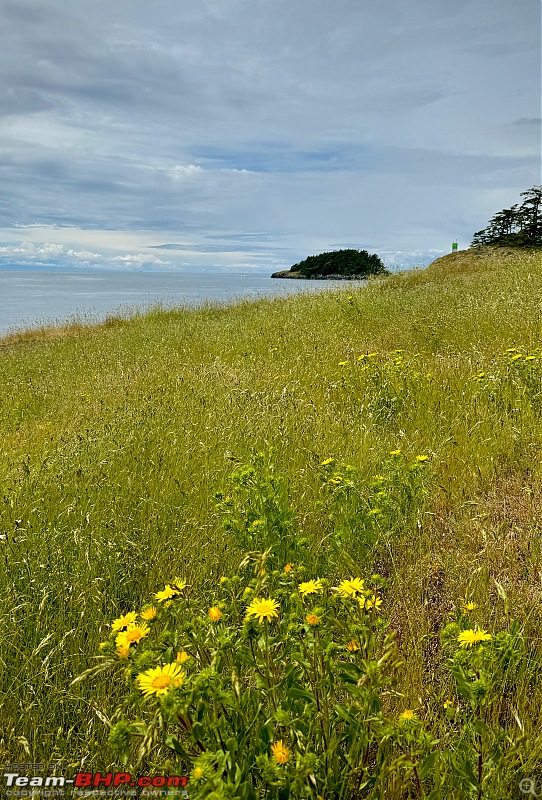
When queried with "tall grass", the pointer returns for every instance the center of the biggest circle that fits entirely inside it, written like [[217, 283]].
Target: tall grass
[[115, 439]]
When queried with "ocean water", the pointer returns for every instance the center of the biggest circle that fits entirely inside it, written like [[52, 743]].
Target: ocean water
[[31, 298]]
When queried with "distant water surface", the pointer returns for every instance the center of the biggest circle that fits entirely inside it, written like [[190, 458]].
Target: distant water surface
[[32, 298]]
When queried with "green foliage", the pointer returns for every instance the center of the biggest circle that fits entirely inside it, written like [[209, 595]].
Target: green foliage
[[518, 226], [341, 262], [287, 688], [287, 703], [256, 510], [366, 515]]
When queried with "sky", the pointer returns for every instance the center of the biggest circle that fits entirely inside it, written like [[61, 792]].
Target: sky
[[248, 134]]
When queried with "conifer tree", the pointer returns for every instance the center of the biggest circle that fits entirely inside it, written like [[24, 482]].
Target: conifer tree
[[517, 225]]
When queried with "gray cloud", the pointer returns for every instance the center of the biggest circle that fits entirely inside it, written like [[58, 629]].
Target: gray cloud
[[263, 127]]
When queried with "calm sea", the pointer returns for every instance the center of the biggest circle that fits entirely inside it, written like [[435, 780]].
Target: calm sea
[[29, 298]]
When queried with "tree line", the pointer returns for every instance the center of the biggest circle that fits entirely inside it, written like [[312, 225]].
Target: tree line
[[519, 225]]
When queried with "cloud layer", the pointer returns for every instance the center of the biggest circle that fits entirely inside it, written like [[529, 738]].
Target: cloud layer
[[251, 133]]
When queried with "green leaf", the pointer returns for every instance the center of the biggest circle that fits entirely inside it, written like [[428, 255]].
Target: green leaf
[[428, 764], [198, 731], [174, 744], [351, 673], [298, 693], [231, 745]]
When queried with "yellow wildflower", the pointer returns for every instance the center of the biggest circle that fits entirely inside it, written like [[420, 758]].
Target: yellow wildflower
[[420, 459], [470, 606], [280, 752], [159, 680], [288, 567], [343, 363], [149, 613], [197, 773], [470, 637], [312, 619], [122, 623], [373, 601], [395, 452], [263, 608], [215, 614], [167, 593], [352, 646], [447, 703], [182, 657], [310, 587], [132, 635], [408, 715], [123, 650], [351, 588]]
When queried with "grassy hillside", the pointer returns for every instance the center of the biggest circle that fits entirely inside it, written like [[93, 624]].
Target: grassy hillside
[[115, 439]]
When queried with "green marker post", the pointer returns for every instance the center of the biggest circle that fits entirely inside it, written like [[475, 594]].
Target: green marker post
[[454, 247]]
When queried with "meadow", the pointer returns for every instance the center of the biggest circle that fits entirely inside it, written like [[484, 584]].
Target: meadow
[[389, 433]]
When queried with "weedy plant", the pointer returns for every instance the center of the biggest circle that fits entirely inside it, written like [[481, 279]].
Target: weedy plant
[[256, 510], [277, 689], [285, 685], [366, 514]]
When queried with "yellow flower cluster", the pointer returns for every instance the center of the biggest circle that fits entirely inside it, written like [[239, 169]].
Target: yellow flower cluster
[[170, 591], [129, 631], [132, 635], [121, 623]]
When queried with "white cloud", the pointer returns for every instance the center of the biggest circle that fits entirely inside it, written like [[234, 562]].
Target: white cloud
[[180, 172]]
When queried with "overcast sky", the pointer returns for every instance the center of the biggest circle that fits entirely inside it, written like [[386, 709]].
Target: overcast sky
[[248, 134]]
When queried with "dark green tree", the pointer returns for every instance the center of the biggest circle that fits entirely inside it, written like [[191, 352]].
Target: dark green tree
[[517, 225], [531, 212], [342, 263]]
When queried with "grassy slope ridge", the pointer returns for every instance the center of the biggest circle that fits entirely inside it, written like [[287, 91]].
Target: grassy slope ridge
[[115, 438]]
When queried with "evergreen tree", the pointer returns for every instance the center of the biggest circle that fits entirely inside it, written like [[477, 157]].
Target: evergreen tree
[[531, 212], [519, 226]]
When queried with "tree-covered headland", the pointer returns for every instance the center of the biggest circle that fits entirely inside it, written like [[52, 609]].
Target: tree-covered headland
[[519, 226], [336, 264]]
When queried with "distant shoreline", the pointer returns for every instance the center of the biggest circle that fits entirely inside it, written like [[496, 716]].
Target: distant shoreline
[[334, 277]]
